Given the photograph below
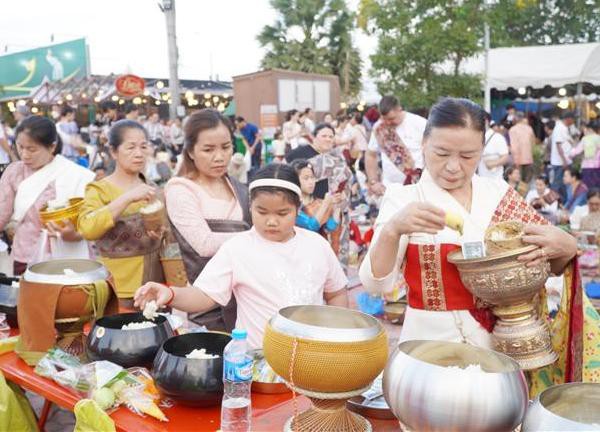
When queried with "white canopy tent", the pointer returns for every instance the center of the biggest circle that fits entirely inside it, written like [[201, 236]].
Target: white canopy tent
[[537, 66]]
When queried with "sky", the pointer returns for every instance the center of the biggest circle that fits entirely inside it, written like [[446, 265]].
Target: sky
[[215, 37]]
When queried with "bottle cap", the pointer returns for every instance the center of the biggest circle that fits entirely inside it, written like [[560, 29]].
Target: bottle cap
[[239, 334]]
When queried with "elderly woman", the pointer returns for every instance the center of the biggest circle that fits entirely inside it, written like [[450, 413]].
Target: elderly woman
[[206, 206], [411, 233], [111, 215], [26, 186]]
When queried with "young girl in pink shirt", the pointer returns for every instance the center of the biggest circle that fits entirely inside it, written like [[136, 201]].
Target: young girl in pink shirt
[[274, 265]]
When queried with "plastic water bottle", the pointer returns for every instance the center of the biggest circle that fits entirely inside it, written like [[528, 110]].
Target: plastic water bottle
[[236, 410]]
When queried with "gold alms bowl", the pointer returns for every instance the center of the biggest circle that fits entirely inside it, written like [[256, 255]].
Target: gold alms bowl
[[70, 212]]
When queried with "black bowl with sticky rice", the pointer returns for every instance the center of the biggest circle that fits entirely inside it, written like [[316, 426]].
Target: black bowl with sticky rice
[[190, 381], [108, 341]]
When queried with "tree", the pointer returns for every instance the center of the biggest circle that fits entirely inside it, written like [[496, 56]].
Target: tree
[[421, 46], [313, 36], [544, 22]]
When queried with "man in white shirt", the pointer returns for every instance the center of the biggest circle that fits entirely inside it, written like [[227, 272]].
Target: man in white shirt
[[562, 144], [495, 153], [409, 128]]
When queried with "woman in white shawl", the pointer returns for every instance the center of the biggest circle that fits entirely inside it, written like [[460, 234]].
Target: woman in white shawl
[[40, 176]]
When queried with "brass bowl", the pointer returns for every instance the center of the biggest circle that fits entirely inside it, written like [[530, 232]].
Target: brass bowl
[[71, 213], [500, 279], [511, 288]]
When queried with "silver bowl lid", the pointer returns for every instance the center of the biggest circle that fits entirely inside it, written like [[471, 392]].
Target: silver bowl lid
[[326, 323], [66, 272]]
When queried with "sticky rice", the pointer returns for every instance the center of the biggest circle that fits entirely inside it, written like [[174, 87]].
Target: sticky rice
[[153, 207], [472, 368], [57, 204], [138, 325], [201, 354], [150, 310]]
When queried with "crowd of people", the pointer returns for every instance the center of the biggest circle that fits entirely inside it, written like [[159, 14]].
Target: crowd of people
[[260, 227]]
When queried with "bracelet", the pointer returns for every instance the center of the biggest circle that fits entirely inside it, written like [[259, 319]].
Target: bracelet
[[172, 295]]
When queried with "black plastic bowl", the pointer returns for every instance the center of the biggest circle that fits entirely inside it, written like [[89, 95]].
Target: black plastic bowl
[[197, 382], [127, 348]]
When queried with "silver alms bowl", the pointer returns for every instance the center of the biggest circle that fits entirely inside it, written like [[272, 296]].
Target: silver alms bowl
[[565, 407], [427, 387]]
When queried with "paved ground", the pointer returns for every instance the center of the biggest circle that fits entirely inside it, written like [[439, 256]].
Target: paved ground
[[59, 420]]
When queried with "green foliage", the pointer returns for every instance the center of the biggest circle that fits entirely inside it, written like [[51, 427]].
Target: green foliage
[[416, 37], [313, 36], [544, 22]]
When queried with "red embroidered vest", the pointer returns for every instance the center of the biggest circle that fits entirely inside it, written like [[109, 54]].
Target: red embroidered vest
[[433, 283]]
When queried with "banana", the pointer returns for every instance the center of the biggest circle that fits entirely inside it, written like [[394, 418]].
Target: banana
[[455, 222]]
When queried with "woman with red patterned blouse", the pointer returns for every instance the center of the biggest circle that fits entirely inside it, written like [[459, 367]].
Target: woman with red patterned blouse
[[412, 242]]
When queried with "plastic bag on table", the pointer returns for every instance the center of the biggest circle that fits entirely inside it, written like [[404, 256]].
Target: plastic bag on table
[[142, 376], [89, 417], [64, 369], [262, 372], [137, 400], [102, 373], [133, 388]]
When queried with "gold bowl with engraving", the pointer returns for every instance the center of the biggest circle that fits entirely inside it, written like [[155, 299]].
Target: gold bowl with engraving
[[511, 289]]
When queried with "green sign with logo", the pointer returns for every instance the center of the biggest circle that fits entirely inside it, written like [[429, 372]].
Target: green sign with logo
[[23, 72]]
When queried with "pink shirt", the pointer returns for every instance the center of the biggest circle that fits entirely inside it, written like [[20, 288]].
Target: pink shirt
[[189, 205], [522, 139], [29, 229], [266, 276]]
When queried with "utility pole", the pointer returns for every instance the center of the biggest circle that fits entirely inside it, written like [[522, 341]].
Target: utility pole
[[487, 104], [487, 97], [168, 7]]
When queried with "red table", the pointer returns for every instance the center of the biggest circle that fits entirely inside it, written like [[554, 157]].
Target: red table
[[269, 412]]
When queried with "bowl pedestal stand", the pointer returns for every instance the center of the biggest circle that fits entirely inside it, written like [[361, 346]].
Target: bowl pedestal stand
[[327, 413], [522, 335]]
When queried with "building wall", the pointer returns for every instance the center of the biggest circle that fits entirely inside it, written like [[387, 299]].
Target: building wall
[[252, 91], [261, 88]]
